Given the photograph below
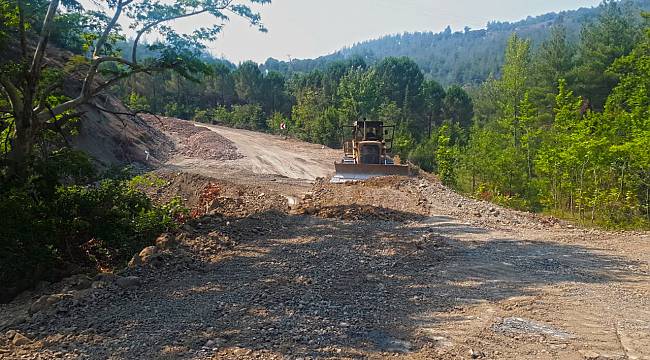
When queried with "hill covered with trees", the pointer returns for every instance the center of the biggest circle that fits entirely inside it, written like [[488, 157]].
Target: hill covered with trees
[[465, 57]]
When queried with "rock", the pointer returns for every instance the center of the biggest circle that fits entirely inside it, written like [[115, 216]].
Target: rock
[[475, 354], [83, 284], [20, 339], [148, 255], [166, 241], [44, 302], [98, 285], [135, 261], [148, 252], [10, 321], [106, 277], [128, 282], [78, 282], [589, 355]]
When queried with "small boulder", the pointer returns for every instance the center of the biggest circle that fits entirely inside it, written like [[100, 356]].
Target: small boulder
[[106, 277], [149, 251], [44, 302], [476, 354], [166, 241], [135, 261], [82, 284], [128, 282], [589, 354], [20, 339], [77, 282]]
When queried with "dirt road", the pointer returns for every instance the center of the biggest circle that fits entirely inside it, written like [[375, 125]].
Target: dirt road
[[265, 158], [389, 268]]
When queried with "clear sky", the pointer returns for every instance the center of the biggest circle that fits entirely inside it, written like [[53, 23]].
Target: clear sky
[[311, 28]]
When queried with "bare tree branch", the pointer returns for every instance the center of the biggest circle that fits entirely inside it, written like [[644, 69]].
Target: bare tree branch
[[134, 58], [45, 115], [42, 42], [146, 28], [92, 72], [104, 37], [13, 94], [103, 109], [21, 25]]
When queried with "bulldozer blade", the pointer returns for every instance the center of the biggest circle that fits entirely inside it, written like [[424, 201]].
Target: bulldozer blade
[[352, 172]]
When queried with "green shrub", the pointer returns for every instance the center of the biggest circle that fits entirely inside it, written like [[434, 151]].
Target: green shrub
[[424, 155], [249, 117], [57, 219]]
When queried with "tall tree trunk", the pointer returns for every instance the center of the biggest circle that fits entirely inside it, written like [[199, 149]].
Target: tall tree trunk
[[21, 148]]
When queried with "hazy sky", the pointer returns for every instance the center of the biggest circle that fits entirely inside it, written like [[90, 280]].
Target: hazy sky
[[310, 28]]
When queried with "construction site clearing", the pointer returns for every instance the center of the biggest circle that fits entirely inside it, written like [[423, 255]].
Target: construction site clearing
[[276, 262]]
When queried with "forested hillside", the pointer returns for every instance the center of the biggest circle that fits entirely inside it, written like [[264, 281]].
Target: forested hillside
[[463, 57]]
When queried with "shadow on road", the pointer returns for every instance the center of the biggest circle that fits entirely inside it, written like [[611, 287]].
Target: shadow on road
[[301, 285]]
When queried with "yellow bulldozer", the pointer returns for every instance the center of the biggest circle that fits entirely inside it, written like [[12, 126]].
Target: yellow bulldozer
[[366, 153]]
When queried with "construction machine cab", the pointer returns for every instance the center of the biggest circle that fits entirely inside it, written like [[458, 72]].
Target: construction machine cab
[[366, 153], [369, 130]]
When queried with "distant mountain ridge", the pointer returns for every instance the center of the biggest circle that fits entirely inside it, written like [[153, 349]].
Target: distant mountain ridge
[[467, 57]]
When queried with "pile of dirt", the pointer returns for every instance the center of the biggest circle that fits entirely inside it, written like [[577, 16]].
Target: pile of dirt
[[106, 131], [480, 212], [194, 141], [116, 139], [209, 196], [208, 145], [174, 126], [390, 198]]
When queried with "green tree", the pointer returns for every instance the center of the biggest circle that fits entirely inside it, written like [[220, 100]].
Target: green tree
[[458, 107], [306, 115], [248, 82], [514, 84], [445, 157], [553, 61], [399, 80], [359, 95], [432, 95], [221, 83], [613, 35], [28, 87], [273, 97]]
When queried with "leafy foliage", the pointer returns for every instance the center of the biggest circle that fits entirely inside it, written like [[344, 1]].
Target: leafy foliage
[[54, 220]]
